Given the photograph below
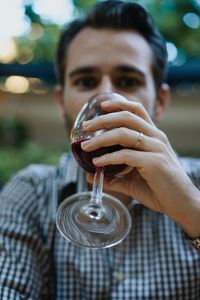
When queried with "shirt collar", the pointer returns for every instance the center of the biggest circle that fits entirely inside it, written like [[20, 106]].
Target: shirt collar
[[71, 177]]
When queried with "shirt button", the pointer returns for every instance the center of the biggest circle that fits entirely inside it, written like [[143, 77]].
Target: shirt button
[[119, 276]]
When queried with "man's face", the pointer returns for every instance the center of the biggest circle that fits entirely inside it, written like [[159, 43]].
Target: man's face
[[102, 61]]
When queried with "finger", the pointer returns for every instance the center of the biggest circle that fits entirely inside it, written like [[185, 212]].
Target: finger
[[120, 136], [90, 178], [120, 119], [121, 104], [132, 158]]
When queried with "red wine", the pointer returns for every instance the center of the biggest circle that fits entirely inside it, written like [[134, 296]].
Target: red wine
[[85, 158]]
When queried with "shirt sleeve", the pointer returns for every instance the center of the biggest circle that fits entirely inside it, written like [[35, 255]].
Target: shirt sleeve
[[24, 258]]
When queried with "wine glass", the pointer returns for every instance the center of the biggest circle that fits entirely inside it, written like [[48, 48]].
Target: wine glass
[[93, 219]]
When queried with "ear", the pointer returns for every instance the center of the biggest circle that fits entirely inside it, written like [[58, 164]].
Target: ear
[[59, 97], [162, 101]]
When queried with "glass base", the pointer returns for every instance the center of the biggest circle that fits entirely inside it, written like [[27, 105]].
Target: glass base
[[89, 225]]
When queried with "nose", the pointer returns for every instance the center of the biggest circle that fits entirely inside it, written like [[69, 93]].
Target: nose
[[105, 85]]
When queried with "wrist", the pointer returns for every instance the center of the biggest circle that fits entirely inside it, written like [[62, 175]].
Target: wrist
[[190, 221]]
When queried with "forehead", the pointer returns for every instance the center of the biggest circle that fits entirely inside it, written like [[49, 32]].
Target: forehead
[[106, 47]]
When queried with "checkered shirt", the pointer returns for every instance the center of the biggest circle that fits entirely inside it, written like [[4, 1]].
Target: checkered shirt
[[36, 262]]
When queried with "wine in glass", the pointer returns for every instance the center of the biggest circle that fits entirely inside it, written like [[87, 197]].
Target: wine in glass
[[93, 219]]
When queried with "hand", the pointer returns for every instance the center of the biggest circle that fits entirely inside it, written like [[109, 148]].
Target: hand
[[155, 176]]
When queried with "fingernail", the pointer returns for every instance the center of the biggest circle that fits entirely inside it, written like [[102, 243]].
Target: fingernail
[[105, 103], [96, 160], [84, 144]]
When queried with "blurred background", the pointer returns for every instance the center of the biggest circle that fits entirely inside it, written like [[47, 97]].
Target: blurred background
[[30, 128]]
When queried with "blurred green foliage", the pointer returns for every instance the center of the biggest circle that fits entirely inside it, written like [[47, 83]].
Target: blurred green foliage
[[168, 14], [13, 132], [17, 151], [40, 44], [13, 159]]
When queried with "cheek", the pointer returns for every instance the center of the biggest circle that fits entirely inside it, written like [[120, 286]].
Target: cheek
[[75, 100], [150, 101], [72, 109], [73, 104], [150, 107]]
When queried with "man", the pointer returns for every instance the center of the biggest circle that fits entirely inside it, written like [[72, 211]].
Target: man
[[115, 49]]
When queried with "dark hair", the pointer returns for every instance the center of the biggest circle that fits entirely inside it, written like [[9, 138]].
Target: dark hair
[[117, 15]]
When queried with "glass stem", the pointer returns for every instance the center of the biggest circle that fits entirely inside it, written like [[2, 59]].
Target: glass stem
[[96, 198]]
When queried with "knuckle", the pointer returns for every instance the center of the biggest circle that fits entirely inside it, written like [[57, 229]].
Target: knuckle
[[122, 131], [160, 146], [138, 107], [127, 114], [163, 136]]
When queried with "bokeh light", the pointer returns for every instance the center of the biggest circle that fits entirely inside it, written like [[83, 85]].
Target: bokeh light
[[37, 86], [58, 11], [25, 55], [17, 84], [36, 32], [192, 20], [197, 3], [12, 19], [180, 59], [172, 51], [8, 50]]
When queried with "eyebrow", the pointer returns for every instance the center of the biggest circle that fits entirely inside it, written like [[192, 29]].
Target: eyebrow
[[120, 69], [82, 70], [129, 69]]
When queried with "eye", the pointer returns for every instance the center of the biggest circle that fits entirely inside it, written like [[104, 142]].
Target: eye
[[127, 82], [86, 82]]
